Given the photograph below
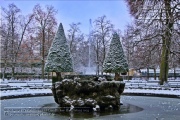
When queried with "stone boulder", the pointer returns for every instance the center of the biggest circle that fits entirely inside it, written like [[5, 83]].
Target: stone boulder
[[88, 93]]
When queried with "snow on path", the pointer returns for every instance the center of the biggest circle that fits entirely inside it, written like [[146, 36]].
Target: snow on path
[[37, 91], [28, 91], [164, 92], [23, 92]]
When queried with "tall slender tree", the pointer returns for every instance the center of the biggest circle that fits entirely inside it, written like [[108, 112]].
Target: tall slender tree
[[59, 57], [101, 36], [44, 19], [115, 61], [75, 38]]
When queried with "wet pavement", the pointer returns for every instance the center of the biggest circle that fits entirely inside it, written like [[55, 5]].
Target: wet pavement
[[154, 108]]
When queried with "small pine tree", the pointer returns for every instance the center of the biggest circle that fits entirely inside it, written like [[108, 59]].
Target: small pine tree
[[115, 61], [59, 57]]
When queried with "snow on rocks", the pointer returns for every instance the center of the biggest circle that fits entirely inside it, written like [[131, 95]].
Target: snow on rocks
[[87, 93], [67, 80], [101, 79], [110, 96], [80, 102], [71, 108], [90, 102], [96, 108]]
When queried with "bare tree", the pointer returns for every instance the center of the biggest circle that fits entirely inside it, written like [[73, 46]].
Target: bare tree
[[45, 20], [17, 26], [5, 41], [96, 46], [157, 19], [175, 51], [73, 33], [127, 42], [101, 36], [75, 38]]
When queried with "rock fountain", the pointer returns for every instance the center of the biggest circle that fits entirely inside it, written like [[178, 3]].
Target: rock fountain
[[88, 91], [80, 91]]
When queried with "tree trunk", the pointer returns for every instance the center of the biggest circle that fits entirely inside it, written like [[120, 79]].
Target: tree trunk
[[4, 72], [59, 77], [154, 73], [104, 52], [117, 76], [148, 73], [42, 61], [101, 69], [164, 64], [13, 49], [166, 44], [12, 74], [174, 73], [104, 55], [128, 75], [97, 57], [48, 76], [97, 71]]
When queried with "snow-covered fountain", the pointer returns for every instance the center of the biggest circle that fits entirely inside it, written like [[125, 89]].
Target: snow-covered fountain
[[80, 91], [90, 94], [96, 93]]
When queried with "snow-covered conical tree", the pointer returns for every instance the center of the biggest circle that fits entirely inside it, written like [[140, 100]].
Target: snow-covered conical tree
[[59, 57], [115, 61]]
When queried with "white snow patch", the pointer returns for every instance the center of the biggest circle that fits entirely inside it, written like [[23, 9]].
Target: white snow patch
[[101, 79], [71, 108], [97, 106], [66, 80], [80, 101], [94, 109], [164, 92], [76, 78], [89, 100], [67, 100], [110, 96], [24, 91]]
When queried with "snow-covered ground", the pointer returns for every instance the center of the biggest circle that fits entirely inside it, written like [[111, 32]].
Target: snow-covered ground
[[25, 87], [24, 92], [155, 91], [35, 87]]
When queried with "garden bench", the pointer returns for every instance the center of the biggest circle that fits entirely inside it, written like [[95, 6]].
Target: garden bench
[[4, 85], [174, 85], [9, 88], [138, 84], [35, 84]]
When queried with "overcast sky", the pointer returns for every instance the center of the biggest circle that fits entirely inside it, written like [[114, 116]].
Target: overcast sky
[[80, 11]]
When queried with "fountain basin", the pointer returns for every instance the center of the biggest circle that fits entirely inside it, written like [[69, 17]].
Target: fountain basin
[[95, 94], [84, 113]]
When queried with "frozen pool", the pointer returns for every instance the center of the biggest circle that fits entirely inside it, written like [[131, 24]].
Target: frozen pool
[[134, 108]]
